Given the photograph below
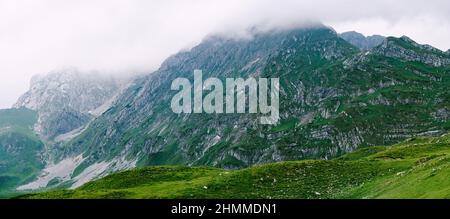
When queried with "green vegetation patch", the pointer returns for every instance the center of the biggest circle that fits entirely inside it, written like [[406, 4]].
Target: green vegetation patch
[[416, 168]]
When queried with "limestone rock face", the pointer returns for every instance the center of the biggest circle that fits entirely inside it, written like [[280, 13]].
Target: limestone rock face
[[64, 99]]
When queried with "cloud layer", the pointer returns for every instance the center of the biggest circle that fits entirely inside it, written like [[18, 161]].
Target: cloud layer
[[126, 36]]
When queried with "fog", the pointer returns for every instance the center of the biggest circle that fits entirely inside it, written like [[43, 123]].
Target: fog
[[135, 36]]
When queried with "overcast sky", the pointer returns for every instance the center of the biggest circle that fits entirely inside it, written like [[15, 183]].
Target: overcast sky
[[125, 36]]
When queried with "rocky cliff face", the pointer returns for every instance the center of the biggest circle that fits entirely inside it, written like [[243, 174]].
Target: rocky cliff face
[[64, 99]]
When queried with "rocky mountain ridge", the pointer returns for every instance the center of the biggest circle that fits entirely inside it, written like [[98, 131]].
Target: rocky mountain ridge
[[65, 98], [407, 49], [65, 102], [361, 41]]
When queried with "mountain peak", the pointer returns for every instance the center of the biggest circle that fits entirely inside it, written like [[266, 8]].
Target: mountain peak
[[407, 49], [318, 40], [64, 97], [409, 43], [45, 87], [406, 39], [361, 41]]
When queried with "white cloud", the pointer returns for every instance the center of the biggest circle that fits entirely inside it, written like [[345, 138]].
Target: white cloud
[[37, 36]]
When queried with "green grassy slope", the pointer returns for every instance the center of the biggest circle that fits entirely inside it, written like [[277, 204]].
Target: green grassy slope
[[417, 168], [427, 177], [20, 149]]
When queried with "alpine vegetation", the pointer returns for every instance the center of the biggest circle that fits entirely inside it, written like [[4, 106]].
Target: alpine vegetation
[[236, 93]]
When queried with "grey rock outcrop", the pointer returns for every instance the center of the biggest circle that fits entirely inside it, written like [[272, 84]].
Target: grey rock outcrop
[[407, 49], [361, 41], [64, 99]]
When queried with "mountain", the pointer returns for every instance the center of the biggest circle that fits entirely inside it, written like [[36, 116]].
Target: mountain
[[405, 48], [334, 99], [65, 99], [416, 168], [361, 41], [142, 126], [20, 149], [58, 106]]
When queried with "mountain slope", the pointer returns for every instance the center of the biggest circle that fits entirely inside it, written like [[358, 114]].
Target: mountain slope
[[20, 149], [416, 168], [65, 102], [142, 125]]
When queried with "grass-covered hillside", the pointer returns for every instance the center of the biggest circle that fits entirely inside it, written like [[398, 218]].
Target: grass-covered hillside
[[417, 168], [20, 149]]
